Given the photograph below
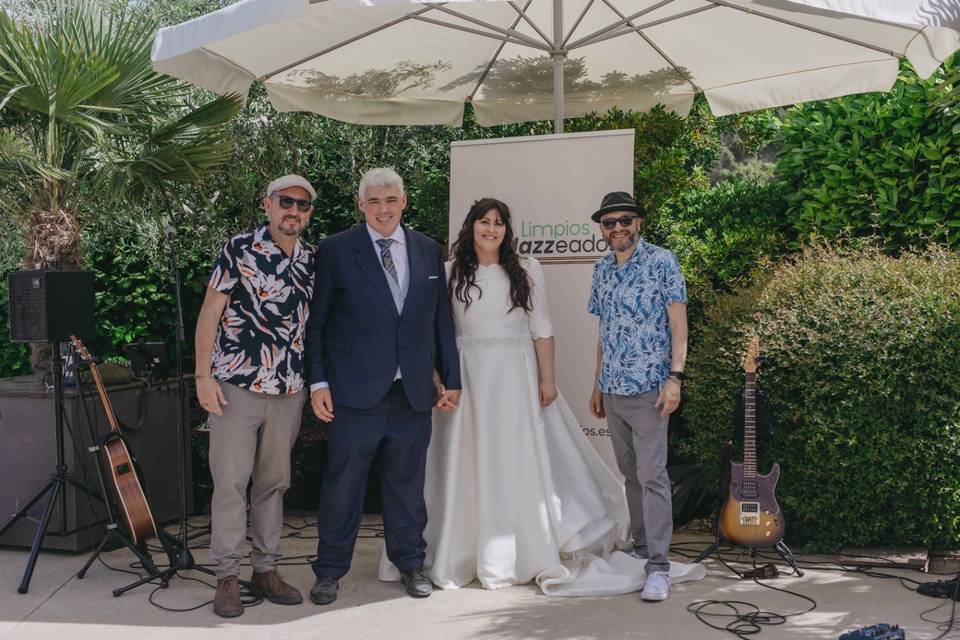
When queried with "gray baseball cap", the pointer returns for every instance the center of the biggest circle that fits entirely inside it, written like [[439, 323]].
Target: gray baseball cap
[[292, 180]]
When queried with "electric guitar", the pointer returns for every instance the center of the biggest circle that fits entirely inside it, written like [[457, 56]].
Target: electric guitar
[[134, 510], [751, 516]]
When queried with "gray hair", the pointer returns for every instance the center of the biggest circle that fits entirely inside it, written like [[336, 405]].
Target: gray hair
[[380, 177]]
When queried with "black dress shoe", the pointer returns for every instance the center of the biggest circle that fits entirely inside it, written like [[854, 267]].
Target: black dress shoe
[[417, 582], [324, 591]]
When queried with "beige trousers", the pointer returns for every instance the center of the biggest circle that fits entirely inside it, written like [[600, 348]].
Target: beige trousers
[[252, 439]]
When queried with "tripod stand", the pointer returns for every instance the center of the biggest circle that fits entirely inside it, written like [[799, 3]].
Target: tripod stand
[[56, 488], [780, 547], [178, 550]]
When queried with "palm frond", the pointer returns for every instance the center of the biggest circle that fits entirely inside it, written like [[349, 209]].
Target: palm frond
[[94, 112], [181, 151]]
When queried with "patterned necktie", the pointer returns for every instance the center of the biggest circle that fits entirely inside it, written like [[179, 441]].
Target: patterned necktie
[[387, 259]]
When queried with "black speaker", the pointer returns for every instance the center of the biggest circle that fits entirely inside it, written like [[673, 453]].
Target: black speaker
[[48, 306]]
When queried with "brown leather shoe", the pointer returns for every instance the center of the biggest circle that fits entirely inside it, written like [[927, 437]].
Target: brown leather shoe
[[226, 603], [271, 586]]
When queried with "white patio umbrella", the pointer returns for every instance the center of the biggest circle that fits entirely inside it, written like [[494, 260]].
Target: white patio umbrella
[[520, 60], [943, 13]]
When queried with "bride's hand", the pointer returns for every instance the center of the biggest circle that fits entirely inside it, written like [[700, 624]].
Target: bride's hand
[[548, 393], [448, 400]]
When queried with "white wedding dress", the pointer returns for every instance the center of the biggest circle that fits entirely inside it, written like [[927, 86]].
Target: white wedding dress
[[515, 492]]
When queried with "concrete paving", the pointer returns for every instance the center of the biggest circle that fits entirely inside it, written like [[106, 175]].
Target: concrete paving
[[60, 606]]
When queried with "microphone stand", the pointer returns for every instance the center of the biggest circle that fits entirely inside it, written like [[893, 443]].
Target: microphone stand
[[178, 550]]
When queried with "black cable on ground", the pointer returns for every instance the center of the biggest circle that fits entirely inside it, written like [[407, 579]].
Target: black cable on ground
[[942, 589], [751, 621], [372, 531], [742, 618]]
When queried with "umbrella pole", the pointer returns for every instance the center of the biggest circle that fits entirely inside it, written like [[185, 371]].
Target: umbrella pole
[[557, 93], [558, 54]]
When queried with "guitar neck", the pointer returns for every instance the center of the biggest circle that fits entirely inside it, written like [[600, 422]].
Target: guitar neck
[[107, 408], [750, 435]]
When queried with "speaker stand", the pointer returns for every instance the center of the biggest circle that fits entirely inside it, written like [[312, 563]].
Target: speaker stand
[[55, 489]]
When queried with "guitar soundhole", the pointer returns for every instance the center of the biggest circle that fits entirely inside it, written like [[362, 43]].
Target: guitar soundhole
[[123, 468]]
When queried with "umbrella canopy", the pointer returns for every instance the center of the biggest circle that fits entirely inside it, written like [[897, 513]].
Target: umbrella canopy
[[520, 60], [944, 13]]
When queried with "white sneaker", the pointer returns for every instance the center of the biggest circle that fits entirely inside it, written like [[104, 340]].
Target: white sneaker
[[657, 587]]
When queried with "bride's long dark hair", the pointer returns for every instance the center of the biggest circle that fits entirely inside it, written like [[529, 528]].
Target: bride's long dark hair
[[464, 269]]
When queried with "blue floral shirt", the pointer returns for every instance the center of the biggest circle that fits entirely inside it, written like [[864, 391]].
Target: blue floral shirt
[[631, 302], [259, 343]]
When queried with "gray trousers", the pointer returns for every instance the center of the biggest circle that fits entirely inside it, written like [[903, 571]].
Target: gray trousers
[[253, 438], [639, 435]]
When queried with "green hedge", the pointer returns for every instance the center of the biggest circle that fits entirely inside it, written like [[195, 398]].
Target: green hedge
[[884, 164], [722, 234], [134, 286], [863, 372]]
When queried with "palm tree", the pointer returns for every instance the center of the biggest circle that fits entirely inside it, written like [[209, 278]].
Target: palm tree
[[85, 120]]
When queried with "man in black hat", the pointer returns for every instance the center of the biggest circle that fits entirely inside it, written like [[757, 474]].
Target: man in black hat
[[640, 297]]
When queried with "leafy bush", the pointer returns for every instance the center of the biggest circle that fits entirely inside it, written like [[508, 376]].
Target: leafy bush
[[134, 285], [721, 234], [861, 363], [884, 164]]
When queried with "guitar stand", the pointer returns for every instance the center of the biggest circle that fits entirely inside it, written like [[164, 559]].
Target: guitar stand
[[116, 537], [179, 561], [781, 548]]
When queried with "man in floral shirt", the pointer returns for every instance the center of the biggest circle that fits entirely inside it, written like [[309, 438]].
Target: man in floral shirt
[[640, 297], [250, 377]]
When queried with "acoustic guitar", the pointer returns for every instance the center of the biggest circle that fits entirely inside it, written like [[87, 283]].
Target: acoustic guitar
[[751, 516], [134, 510]]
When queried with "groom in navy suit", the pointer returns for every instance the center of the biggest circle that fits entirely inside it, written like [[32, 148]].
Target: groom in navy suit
[[380, 326]]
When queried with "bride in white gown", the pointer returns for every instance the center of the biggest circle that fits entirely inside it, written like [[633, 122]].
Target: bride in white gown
[[514, 490]]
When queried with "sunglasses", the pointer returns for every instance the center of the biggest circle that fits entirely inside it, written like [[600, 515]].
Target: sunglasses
[[286, 202], [625, 221]]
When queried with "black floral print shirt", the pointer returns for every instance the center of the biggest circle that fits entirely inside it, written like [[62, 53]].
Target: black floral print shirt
[[259, 343]]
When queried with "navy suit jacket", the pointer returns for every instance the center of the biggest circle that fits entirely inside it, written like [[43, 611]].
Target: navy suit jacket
[[355, 337]]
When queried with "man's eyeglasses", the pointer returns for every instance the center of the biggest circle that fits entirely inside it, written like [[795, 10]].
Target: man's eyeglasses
[[625, 221], [286, 202]]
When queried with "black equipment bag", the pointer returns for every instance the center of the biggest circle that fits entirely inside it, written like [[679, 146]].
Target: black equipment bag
[[691, 495]]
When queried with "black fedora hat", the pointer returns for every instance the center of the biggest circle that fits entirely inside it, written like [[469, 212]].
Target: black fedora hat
[[616, 201]]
